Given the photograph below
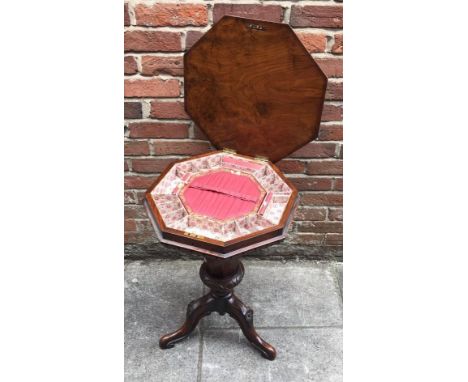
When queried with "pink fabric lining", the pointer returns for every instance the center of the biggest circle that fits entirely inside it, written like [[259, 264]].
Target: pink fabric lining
[[222, 195], [242, 163], [265, 203]]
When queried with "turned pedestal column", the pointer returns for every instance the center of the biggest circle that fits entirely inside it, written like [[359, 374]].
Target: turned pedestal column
[[221, 276]]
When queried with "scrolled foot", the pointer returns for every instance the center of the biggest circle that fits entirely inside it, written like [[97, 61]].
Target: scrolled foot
[[196, 310], [244, 316], [168, 341]]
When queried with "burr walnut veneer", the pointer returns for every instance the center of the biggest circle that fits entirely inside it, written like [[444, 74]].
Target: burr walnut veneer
[[258, 95]]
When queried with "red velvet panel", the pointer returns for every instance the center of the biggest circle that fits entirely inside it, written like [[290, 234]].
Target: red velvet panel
[[222, 195]]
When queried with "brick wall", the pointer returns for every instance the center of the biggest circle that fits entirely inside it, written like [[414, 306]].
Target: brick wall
[[158, 131]]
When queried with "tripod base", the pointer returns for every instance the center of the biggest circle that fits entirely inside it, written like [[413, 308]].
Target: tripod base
[[221, 275]]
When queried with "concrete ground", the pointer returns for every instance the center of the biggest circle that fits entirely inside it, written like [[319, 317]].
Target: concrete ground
[[297, 308]]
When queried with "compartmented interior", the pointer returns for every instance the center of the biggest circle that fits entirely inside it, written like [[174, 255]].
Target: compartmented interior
[[221, 196]]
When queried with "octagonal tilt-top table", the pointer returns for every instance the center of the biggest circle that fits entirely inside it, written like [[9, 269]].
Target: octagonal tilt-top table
[[258, 95]]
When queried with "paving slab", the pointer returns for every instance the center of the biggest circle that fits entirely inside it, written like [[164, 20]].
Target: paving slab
[[146, 362], [156, 296], [304, 326], [303, 355], [293, 294]]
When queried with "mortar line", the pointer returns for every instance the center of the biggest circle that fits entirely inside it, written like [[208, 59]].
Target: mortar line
[[181, 52]]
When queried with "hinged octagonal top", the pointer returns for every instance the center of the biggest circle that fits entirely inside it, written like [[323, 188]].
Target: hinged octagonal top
[[252, 87]]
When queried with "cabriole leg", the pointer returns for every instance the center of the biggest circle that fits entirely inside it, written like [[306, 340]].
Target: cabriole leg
[[221, 276], [196, 310]]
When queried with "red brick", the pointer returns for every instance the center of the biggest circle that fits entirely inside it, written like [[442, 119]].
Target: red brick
[[317, 16], [335, 214], [331, 67], [321, 199], [314, 43], [140, 182], [144, 227], [333, 239], [332, 113], [254, 11], [178, 15], [130, 65], [308, 238], [135, 212], [156, 165], [180, 148], [130, 197], [191, 38], [131, 237], [310, 214], [315, 150], [130, 226], [320, 227], [311, 184], [168, 110], [337, 47], [126, 15], [158, 130], [154, 66], [132, 110], [154, 87], [338, 184], [152, 41], [330, 133], [139, 237], [334, 91], [125, 165], [136, 148], [329, 167], [140, 195], [291, 166]]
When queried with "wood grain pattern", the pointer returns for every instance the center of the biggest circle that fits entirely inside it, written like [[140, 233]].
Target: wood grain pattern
[[251, 86]]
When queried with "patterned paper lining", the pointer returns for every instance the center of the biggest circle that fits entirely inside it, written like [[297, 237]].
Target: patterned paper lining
[[268, 210]]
